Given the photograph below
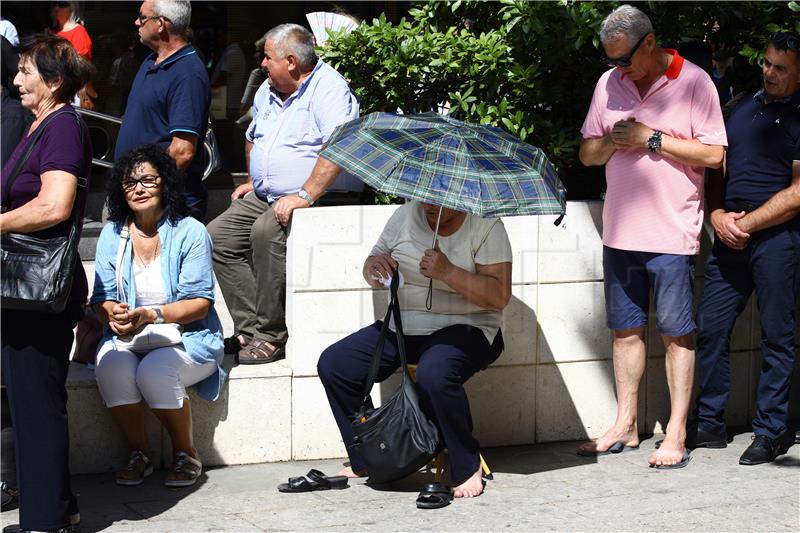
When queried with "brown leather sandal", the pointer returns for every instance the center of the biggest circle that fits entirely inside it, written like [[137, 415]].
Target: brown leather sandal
[[259, 352], [139, 467], [187, 467]]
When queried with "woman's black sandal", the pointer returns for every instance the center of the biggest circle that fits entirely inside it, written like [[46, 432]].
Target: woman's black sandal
[[315, 480], [434, 496]]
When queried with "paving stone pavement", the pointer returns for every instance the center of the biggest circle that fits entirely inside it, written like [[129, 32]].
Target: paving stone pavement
[[544, 487]]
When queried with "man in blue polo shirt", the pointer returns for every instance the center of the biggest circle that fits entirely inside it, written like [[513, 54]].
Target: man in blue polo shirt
[[169, 99], [294, 113], [754, 214]]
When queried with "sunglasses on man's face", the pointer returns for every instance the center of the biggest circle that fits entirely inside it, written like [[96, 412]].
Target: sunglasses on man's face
[[624, 61], [786, 41]]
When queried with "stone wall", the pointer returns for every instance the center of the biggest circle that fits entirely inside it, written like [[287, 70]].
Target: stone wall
[[554, 381]]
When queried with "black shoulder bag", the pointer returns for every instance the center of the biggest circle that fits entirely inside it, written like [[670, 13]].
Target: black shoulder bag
[[37, 272], [397, 439]]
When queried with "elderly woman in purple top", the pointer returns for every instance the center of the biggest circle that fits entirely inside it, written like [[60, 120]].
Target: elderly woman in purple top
[[35, 346]]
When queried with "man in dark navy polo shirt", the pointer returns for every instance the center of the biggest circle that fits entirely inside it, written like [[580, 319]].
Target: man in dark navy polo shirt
[[169, 100], [754, 214]]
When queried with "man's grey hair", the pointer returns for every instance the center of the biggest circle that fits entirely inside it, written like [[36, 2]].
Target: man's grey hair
[[295, 40], [627, 21], [179, 12]]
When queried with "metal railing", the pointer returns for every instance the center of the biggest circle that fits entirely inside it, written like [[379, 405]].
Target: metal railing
[[109, 128]]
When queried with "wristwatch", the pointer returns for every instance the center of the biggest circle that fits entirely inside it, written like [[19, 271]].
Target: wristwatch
[[305, 196], [159, 315], [654, 141]]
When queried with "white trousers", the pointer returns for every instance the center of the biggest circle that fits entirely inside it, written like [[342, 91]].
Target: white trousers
[[161, 376]]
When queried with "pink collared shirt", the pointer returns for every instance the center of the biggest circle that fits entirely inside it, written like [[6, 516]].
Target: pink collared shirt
[[655, 204]]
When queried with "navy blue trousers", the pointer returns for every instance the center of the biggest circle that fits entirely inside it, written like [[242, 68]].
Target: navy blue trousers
[[770, 265], [445, 360], [35, 360]]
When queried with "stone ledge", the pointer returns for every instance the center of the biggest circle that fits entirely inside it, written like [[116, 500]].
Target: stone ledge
[[249, 423]]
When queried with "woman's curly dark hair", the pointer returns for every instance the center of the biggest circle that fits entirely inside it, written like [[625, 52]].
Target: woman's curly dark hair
[[172, 200]]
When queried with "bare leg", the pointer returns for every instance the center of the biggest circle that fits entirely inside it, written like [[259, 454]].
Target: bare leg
[[629, 364], [470, 488], [680, 376], [130, 419], [178, 423], [349, 472]]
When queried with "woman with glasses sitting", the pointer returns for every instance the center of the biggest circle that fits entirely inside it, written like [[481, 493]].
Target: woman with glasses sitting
[[165, 259]]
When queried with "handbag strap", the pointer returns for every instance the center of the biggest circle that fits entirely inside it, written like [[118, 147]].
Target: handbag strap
[[124, 235], [24, 158], [393, 310]]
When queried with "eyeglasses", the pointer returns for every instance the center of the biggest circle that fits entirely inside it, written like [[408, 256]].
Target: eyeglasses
[[624, 61], [786, 41], [147, 181], [144, 18]]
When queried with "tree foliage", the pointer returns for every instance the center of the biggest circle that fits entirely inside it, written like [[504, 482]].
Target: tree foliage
[[528, 67]]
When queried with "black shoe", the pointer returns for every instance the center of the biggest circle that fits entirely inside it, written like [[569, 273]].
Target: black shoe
[[9, 498], [762, 450], [14, 528], [698, 438]]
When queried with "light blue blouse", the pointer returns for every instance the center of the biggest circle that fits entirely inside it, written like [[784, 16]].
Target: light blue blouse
[[187, 273]]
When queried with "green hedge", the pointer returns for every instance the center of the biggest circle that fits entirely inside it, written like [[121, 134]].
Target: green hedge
[[528, 67]]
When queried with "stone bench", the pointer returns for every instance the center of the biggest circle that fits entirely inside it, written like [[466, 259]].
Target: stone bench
[[554, 381]]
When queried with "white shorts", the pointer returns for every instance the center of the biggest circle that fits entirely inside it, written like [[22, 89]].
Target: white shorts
[[161, 376]]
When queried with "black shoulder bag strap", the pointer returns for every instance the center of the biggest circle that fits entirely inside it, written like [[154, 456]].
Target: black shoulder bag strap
[[394, 309], [24, 157]]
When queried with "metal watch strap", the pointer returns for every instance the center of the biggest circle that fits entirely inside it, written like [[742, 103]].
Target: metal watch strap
[[654, 141], [159, 315], [305, 196]]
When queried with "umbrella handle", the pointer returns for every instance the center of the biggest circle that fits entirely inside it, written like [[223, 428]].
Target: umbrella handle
[[429, 298]]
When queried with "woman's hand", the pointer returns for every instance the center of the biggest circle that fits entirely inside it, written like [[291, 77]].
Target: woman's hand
[[125, 322], [435, 264], [378, 267]]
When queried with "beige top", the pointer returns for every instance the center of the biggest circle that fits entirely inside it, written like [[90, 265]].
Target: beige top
[[480, 241]]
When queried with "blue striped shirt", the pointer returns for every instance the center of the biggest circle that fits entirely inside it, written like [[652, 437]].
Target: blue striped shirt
[[288, 135]]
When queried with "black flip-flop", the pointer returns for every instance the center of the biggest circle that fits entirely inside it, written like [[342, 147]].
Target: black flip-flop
[[617, 447], [316, 481], [684, 461], [434, 496]]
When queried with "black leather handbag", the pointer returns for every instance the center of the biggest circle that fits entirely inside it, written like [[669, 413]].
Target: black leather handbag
[[396, 439], [37, 272]]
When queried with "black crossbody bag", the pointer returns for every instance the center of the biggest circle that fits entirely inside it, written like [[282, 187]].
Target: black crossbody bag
[[396, 439], [37, 272]]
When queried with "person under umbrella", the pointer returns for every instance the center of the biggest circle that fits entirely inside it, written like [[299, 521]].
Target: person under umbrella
[[470, 267]]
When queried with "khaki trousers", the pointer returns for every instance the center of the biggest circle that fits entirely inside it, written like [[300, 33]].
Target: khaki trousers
[[250, 264]]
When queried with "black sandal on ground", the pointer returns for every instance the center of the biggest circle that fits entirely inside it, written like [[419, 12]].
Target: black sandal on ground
[[434, 496], [315, 480]]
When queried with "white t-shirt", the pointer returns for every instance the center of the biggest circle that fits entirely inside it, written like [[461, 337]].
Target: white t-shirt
[[149, 284], [481, 241]]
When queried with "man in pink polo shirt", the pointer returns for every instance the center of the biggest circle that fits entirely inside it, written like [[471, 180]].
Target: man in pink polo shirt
[[655, 123]]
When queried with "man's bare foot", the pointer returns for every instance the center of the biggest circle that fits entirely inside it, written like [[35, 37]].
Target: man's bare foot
[[470, 488], [628, 435], [348, 472], [671, 452]]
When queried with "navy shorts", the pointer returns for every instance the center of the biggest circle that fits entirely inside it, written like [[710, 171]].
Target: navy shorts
[[629, 277]]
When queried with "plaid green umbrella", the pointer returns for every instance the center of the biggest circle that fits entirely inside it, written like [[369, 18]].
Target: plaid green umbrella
[[438, 160]]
